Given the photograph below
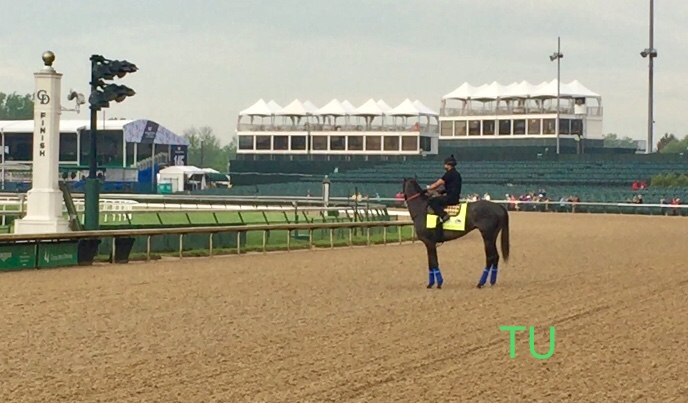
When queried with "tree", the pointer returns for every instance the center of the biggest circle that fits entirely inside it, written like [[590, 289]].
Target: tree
[[15, 106], [665, 140], [676, 146], [613, 141], [205, 149]]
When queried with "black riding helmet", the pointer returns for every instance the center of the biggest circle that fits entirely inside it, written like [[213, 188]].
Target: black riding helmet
[[450, 160]]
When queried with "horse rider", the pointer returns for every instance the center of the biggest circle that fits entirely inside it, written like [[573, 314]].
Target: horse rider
[[452, 189]]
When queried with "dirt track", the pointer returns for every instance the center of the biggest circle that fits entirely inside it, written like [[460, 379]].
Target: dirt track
[[358, 324]]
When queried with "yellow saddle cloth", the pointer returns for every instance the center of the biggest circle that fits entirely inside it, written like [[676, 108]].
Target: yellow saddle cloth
[[457, 218]]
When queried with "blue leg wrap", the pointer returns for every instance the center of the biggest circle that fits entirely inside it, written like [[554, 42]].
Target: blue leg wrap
[[483, 278], [438, 276], [493, 275], [431, 277]]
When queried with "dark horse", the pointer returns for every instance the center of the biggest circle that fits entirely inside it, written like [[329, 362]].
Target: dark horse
[[489, 218]]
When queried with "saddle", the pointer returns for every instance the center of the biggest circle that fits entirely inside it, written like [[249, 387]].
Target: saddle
[[452, 210]]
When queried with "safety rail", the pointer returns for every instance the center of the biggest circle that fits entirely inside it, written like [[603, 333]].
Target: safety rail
[[212, 231]]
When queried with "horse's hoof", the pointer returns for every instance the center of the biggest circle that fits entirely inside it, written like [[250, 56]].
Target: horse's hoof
[[479, 286], [439, 286], [429, 286], [492, 284]]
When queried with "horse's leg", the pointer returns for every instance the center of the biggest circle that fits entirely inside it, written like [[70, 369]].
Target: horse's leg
[[434, 274], [491, 256]]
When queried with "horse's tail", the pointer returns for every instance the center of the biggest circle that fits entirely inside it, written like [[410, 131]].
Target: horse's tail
[[505, 234]]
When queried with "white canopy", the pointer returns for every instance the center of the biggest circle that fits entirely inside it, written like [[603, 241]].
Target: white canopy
[[521, 89], [383, 106], [274, 106], [310, 108], [424, 109], [260, 108], [349, 107], [370, 108], [492, 91], [465, 91], [333, 108], [295, 108]]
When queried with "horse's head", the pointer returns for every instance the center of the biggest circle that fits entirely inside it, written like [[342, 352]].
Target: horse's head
[[411, 188]]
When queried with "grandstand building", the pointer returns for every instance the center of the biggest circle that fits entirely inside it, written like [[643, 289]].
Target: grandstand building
[[302, 138], [130, 152], [520, 118]]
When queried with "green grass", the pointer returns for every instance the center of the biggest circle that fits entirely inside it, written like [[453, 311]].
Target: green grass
[[277, 242]]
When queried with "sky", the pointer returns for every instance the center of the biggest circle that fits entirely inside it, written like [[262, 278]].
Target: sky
[[201, 62]]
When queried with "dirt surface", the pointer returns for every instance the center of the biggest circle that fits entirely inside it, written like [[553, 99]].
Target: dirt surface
[[359, 325]]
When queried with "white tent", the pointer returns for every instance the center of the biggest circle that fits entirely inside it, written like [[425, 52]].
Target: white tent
[[465, 91], [349, 107], [310, 108], [260, 108], [295, 108], [581, 90], [518, 90], [177, 175], [274, 106], [406, 108], [370, 108], [333, 108], [384, 107], [490, 92], [424, 109]]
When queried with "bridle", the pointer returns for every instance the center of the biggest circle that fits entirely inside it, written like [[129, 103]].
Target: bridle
[[414, 196]]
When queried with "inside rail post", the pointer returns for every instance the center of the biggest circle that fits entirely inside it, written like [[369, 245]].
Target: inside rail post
[[265, 240], [331, 237], [238, 241], [210, 245], [114, 249], [368, 236], [413, 234], [181, 245], [399, 228], [310, 238], [148, 248], [351, 237], [384, 235], [288, 240]]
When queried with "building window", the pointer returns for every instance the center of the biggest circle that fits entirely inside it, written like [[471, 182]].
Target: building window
[[577, 127], [426, 144], [519, 126], [298, 143], [391, 143], [245, 143], [534, 126], [409, 143], [263, 142], [474, 128], [68, 147], [460, 128], [504, 127], [337, 143], [488, 127], [549, 126], [373, 143], [320, 143], [280, 143], [564, 126], [355, 143], [446, 128]]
